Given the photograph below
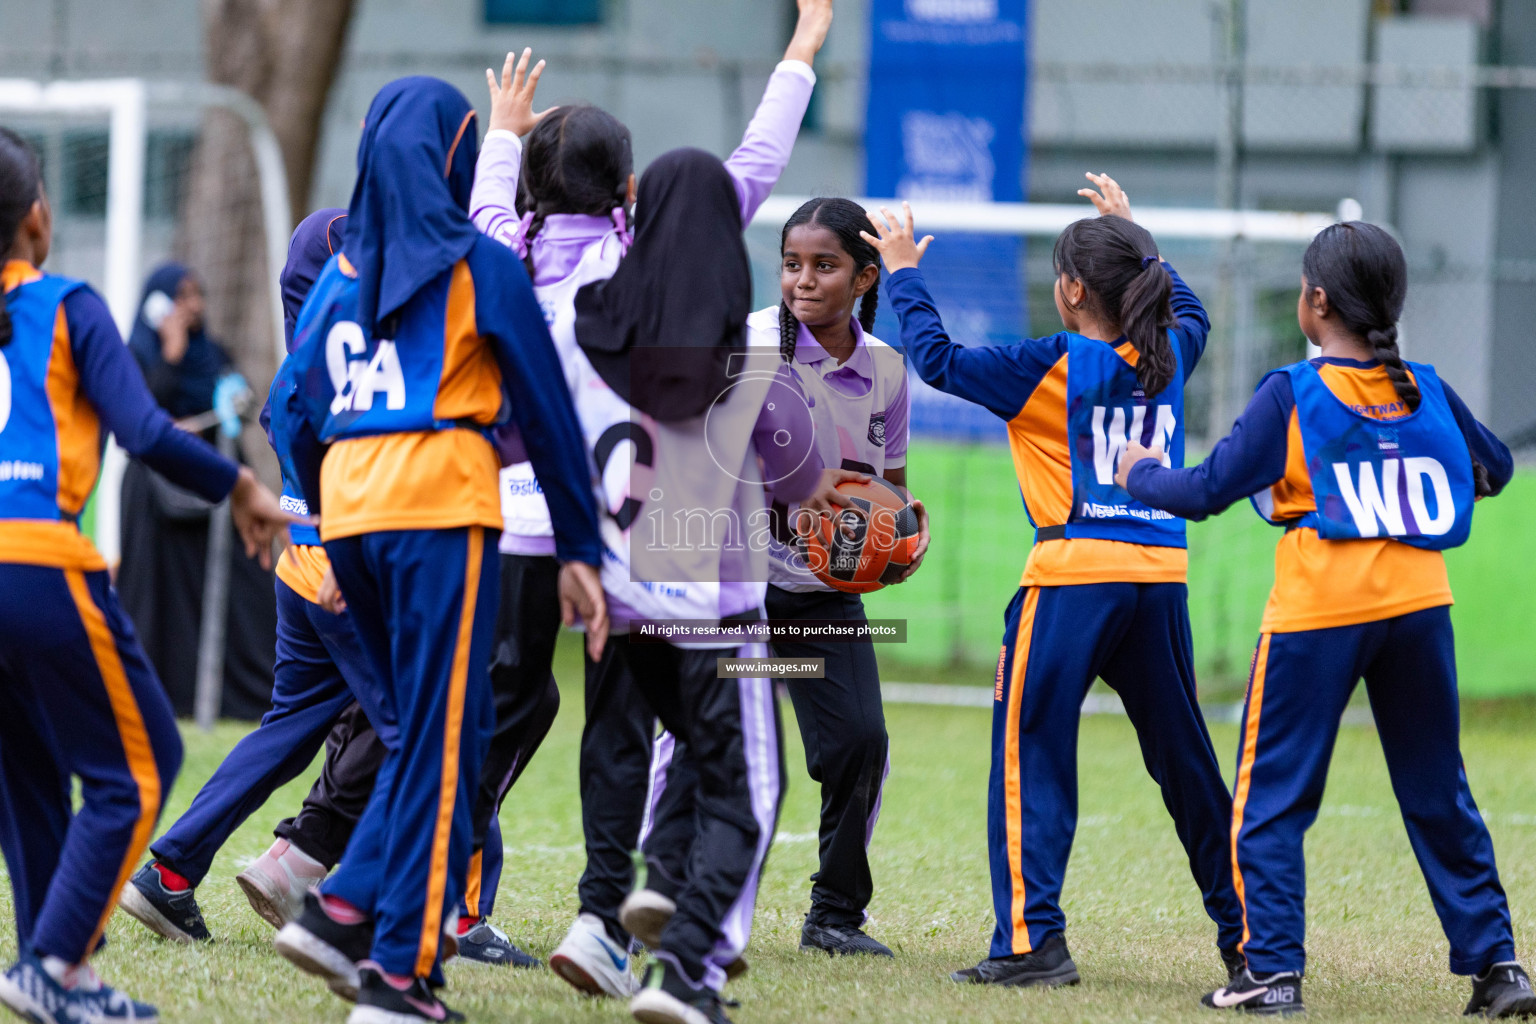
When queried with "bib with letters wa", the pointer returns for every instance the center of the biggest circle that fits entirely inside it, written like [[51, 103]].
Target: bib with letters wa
[[1106, 409]]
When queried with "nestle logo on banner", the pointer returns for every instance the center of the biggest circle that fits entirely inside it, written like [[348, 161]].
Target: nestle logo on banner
[[952, 10], [948, 157]]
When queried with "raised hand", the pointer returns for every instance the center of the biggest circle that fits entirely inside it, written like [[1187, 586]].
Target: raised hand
[[810, 30], [1113, 202], [898, 246], [512, 98], [175, 334]]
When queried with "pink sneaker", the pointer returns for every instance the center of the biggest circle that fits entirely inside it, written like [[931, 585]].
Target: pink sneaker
[[277, 881]]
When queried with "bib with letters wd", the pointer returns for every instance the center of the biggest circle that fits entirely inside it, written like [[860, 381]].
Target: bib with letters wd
[[1106, 409], [1407, 479], [29, 442]]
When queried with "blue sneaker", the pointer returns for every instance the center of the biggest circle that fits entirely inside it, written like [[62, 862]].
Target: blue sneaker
[[106, 1005], [30, 991], [484, 943], [171, 913]]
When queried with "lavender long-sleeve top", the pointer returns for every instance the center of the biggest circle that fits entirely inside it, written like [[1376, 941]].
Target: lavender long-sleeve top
[[564, 239], [755, 168]]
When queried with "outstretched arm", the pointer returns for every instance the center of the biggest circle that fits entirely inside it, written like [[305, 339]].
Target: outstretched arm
[[770, 138], [999, 377], [1246, 461], [493, 202]]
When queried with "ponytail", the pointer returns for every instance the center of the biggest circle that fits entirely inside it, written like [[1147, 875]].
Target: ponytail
[[1128, 287], [1361, 268], [21, 184], [1145, 316], [846, 220]]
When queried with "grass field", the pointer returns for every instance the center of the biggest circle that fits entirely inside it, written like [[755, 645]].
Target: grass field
[[1135, 923], [981, 539]]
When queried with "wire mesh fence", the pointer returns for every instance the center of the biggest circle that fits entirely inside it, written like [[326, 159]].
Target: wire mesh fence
[[202, 206], [1430, 145], [1431, 141]]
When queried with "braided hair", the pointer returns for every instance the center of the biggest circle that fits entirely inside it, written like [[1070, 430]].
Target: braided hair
[[1127, 286], [845, 219], [578, 159], [1361, 268], [21, 182]]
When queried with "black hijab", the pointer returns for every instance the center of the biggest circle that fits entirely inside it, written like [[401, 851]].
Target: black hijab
[[661, 331]]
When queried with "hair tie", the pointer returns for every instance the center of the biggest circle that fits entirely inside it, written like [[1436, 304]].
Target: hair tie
[[621, 221], [519, 238], [1149, 259]]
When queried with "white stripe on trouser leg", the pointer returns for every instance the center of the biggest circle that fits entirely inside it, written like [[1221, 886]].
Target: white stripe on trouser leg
[[874, 814], [661, 760], [760, 745]]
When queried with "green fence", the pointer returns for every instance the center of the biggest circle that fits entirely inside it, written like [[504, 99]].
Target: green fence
[[981, 537]]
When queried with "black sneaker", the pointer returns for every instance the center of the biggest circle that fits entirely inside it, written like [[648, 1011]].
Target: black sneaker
[[840, 940], [665, 999], [1234, 962], [1504, 990], [322, 946], [173, 915], [1277, 994], [487, 944], [381, 1001], [1048, 966]]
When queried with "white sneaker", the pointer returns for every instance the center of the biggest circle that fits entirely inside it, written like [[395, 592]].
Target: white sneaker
[[592, 962], [645, 913], [276, 882]]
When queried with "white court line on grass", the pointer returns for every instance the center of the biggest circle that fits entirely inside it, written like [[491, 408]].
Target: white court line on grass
[[1093, 704]]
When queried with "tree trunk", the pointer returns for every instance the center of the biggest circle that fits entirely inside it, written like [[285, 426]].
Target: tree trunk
[[284, 54]]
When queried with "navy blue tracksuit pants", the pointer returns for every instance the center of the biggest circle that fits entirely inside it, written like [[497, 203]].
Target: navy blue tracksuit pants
[[527, 700], [78, 697], [320, 670], [1136, 637], [424, 605], [1296, 695]]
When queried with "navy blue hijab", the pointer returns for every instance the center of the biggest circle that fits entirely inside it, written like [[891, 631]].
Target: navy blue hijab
[[314, 241], [185, 389], [409, 220]]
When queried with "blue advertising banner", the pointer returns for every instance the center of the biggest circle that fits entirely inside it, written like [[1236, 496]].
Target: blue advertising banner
[[946, 121], [946, 99]]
